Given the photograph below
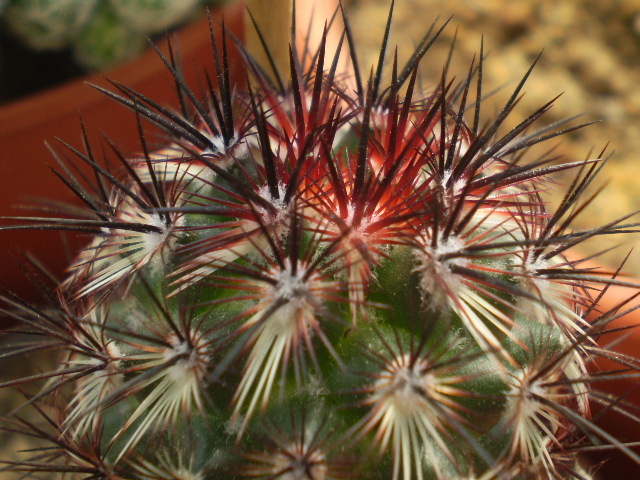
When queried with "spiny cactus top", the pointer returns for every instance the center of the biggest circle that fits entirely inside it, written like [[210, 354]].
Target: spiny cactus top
[[319, 277]]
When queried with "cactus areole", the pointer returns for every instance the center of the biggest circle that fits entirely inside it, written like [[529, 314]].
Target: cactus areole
[[319, 276]]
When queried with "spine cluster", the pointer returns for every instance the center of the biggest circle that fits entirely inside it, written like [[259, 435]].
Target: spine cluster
[[320, 277]]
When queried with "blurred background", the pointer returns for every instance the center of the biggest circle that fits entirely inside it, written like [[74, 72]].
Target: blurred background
[[45, 42]]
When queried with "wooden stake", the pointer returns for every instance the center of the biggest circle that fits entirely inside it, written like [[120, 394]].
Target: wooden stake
[[273, 18]]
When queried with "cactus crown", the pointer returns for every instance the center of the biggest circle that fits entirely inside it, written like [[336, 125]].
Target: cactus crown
[[315, 278]]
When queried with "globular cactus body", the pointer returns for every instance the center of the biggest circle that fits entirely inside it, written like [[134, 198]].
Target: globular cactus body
[[321, 279]]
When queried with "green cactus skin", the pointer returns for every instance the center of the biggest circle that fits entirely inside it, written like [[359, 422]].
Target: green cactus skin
[[105, 40], [319, 278], [101, 33], [47, 24], [153, 16]]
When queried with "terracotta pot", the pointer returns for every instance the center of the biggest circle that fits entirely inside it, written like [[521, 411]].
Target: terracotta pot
[[623, 338], [26, 124]]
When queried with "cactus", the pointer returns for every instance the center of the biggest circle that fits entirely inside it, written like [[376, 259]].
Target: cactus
[[100, 33], [318, 277]]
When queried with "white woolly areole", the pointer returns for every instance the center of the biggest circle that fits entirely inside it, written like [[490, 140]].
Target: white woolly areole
[[193, 362], [226, 153], [404, 386], [163, 241], [298, 463], [83, 412], [278, 218], [458, 185], [294, 289], [358, 232], [410, 411], [176, 387], [290, 286], [532, 416], [555, 302], [437, 282], [278, 335], [531, 268], [155, 240]]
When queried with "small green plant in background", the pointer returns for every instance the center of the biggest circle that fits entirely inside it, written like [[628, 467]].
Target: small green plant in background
[[101, 33], [320, 277]]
